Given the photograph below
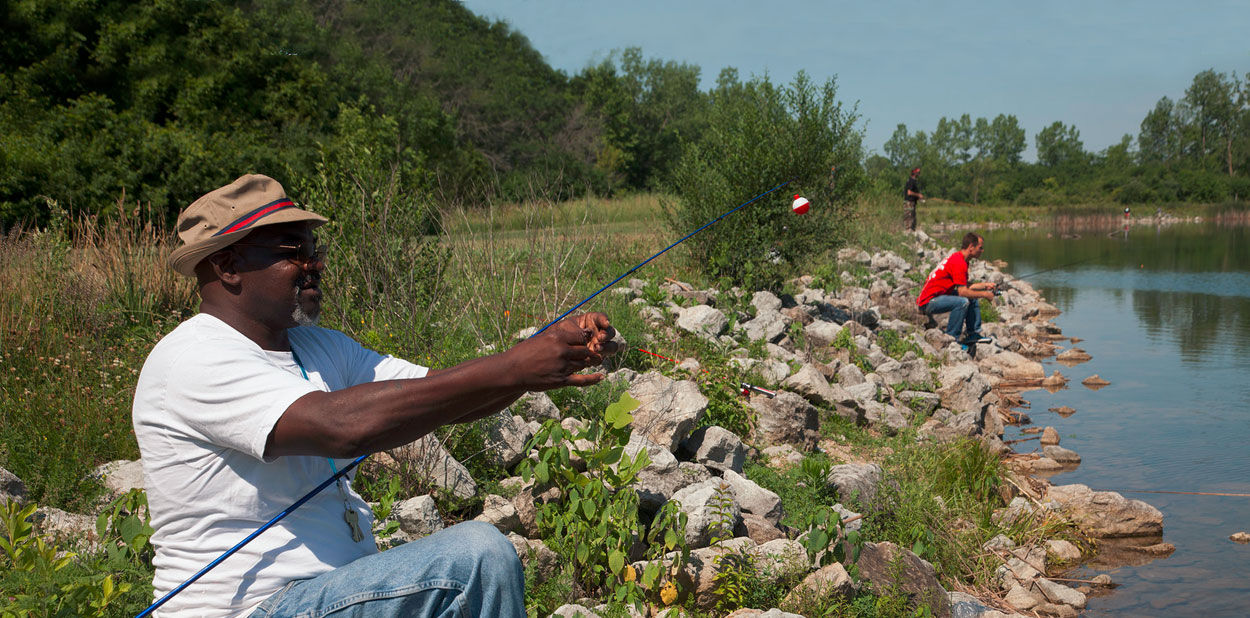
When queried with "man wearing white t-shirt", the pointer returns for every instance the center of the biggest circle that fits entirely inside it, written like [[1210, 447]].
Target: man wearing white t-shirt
[[247, 406]]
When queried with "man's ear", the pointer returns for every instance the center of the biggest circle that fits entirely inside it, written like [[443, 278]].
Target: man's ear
[[223, 267]]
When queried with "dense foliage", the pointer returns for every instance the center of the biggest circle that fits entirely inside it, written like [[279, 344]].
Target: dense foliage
[[1196, 149], [759, 136], [160, 100]]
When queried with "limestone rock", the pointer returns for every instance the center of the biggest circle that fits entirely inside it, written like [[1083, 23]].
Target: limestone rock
[[887, 566], [766, 326], [419, 516], [121, 476], [505, 439], [764, 300], [828, 580], [1073, 356], [755, 613], [1063, 411], [1063, 551], [701, 502], [536, 553], [431, 461], [703, 320], [1095, 382], [1060, 454], [64, 527], [856, 482], [716, 447], [500, 513], [821, 333], [779, 555], [809, 382], [962, 388], [536, 406], [669, 408], [1240, 537], [754, 499], [1020, 598], [573, 610], [1050, 436], [1056, 592], [11, 487], [787, 418], [1106, 513], [1055, 380], [662, 476]]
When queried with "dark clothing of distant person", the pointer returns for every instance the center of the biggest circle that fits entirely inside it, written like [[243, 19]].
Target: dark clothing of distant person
[[911, 194]]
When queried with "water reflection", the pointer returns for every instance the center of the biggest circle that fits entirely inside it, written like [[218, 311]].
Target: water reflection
[[1166, 316], [1199, 324]]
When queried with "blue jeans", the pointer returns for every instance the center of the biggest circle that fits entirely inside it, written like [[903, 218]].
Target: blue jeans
[[469, 569], [965, 312]]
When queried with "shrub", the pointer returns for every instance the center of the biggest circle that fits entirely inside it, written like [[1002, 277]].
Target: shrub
[[760, 136], [1134, 192]]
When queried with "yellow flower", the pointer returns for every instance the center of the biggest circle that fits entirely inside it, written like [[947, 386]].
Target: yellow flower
[[630, 574], [668, 593]]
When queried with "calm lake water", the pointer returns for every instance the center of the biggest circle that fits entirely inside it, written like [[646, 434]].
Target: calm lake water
[[1165, 312]]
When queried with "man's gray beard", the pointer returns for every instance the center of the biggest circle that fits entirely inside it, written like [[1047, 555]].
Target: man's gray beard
[[301, 317]]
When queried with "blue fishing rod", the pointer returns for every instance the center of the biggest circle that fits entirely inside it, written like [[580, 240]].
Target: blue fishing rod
[[341, 473]]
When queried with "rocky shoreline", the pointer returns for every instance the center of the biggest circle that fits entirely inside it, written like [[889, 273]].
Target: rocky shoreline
[[823, 355]]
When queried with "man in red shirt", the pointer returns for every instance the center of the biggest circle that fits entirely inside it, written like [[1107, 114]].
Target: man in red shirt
[[947, 290]]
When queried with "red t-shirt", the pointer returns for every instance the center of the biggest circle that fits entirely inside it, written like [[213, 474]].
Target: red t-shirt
[[945, 278]]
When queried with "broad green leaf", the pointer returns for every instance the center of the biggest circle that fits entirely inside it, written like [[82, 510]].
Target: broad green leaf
[[649, 574], [618, 414], [616, 561]]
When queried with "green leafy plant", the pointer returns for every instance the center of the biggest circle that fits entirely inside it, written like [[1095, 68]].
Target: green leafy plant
[[895, 345], [989, 313], [845, 341], [36, 573], [824, 533], [383, 495], [595, 523], [125, 529]]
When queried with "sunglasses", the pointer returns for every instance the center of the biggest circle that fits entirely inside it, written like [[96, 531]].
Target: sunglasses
[[302, 254]]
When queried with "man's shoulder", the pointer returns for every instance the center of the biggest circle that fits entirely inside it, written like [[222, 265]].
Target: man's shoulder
[[197, 330]]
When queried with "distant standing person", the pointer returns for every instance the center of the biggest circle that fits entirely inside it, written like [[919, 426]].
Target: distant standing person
[[911, 195]]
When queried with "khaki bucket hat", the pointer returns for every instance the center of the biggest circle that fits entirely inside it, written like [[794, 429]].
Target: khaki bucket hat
[[224, 216]]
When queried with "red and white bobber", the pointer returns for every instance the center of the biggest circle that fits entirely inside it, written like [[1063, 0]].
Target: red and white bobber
[[801, 205]]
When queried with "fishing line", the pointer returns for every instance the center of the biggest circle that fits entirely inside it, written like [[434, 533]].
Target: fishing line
[[1183, 493], [357, 461]]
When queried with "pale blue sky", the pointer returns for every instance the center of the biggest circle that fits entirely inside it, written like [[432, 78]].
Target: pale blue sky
[[1098, 65]]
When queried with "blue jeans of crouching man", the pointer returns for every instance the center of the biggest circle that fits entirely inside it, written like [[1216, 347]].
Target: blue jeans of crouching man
[[467, 570], [965, 314]]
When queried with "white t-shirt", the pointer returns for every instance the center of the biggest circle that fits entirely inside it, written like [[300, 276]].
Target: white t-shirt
[[204, 406]]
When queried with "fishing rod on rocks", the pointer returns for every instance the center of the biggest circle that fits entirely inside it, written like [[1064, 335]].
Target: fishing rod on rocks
[[800, 206]]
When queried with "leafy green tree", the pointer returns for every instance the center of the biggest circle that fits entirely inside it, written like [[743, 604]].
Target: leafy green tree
[[1158, 140], [1006, 139], [759, 136], [1213, 97], [648, 107], [1059, 145]]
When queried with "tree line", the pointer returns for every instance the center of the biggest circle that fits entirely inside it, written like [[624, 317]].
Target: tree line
[[162, 100], [1195, 149]]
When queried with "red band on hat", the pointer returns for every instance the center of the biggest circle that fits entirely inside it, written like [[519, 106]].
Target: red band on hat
[[251, 218]]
